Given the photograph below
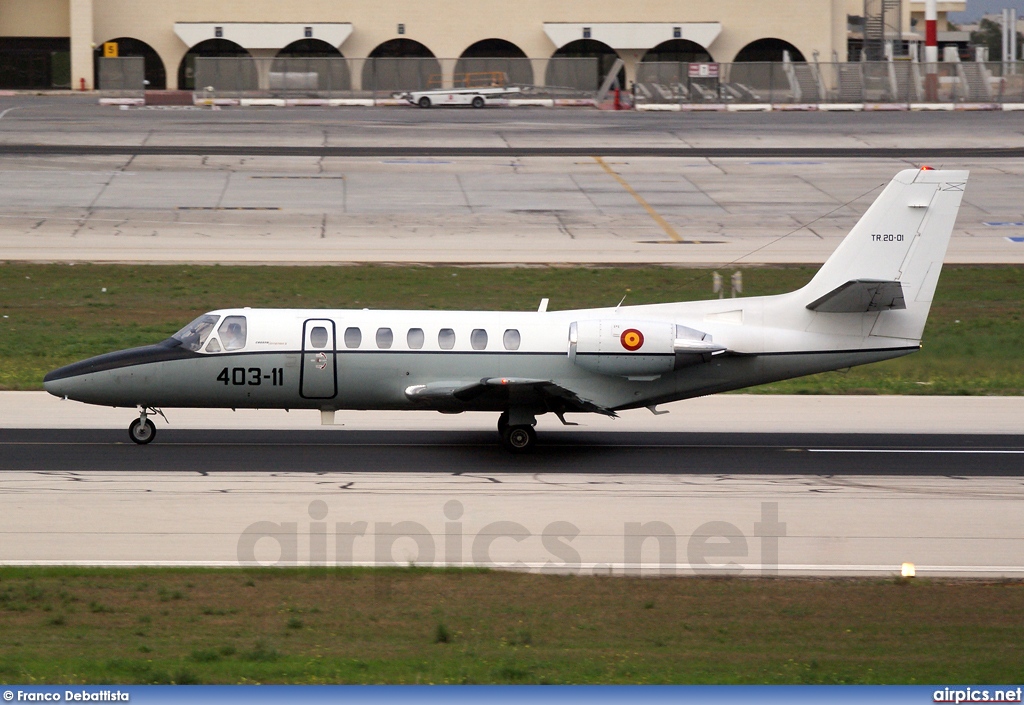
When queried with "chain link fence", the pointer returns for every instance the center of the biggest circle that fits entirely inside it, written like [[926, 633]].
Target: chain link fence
[[814, 83], [874, 82], [246, 77], [125, 76]]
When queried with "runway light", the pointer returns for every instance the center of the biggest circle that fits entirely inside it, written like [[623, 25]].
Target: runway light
[[908, 570]]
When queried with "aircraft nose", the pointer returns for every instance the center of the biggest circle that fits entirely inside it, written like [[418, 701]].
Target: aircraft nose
[[89, 380], [56, 387], [61, 382]]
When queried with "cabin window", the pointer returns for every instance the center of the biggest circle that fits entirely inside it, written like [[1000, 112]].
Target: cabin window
[[213, 346], [478, 339], [446, 338], [194, 335], [511, 339], [353, 337], [232, 332], [385, 338], [415, 338], [318, 337]]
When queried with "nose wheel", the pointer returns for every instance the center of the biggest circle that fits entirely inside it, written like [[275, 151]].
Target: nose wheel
[[142, 431]]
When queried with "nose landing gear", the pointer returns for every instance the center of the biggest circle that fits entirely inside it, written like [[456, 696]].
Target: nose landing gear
[[142, 430]]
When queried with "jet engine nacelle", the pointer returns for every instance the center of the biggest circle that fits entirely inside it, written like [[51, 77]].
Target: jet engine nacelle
[[637, 348]]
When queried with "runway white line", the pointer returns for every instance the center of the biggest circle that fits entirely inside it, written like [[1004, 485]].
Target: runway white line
[[16, 107], [915, 450]]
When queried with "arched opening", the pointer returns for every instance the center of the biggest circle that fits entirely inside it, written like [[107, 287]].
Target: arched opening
[[583, 65], [235, 75], [664, 73], [401, 65], [310, 65], [679, 51], [309, 48], [769, 49], [401, 49], [757, 73], [494, 56], [155, 74]]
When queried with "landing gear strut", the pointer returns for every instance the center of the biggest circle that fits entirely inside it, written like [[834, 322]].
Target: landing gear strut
[[142, 430]]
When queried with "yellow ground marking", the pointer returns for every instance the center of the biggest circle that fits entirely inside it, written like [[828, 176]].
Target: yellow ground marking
[[669, 230]]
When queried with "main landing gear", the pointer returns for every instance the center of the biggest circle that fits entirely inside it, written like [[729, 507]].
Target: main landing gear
[[517, 437], [142, 430]]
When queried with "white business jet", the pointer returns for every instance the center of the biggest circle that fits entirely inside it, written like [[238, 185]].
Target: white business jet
[[868, 302]]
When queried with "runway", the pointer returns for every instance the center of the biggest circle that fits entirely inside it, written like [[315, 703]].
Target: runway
[[85, 183], [577, 521], [512, 210], [732, 484], [460, 452]]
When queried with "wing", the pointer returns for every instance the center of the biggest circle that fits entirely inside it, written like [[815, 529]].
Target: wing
[[499, 392]]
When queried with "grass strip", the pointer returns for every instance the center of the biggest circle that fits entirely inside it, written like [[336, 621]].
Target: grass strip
[[411, 625], [56, 314]]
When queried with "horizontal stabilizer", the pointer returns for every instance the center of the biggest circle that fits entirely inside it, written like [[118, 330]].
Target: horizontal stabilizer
[[861, 296]]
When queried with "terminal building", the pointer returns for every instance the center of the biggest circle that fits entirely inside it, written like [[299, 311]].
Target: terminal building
[[55, 43]]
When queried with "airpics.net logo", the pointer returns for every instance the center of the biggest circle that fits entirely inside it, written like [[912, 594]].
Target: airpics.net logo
[[646, 547], [978, 695]]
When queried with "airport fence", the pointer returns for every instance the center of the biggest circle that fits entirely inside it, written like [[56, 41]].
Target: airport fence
[[881, 82], [657, 83], [315, 77], [125, 76]]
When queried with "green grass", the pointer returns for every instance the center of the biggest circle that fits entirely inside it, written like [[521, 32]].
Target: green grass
[[450, 626], [56, 314]]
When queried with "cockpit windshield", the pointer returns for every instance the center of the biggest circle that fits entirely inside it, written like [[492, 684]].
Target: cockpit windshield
[[195, 333]]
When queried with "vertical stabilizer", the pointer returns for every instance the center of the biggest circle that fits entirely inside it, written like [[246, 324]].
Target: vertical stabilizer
[[901, 238]]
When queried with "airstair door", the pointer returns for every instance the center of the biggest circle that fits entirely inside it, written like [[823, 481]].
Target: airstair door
[[319, 373]]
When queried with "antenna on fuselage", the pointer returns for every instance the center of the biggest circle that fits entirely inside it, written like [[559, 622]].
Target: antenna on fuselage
[[543, 306]]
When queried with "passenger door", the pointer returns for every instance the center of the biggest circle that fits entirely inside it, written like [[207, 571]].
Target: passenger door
[[318, 378]]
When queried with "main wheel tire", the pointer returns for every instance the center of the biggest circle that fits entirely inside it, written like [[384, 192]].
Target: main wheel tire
[[424, 102], [520, 439], [142, 433], [478, 102]]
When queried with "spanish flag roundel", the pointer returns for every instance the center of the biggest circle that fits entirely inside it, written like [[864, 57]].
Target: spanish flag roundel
[[632, 339]]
